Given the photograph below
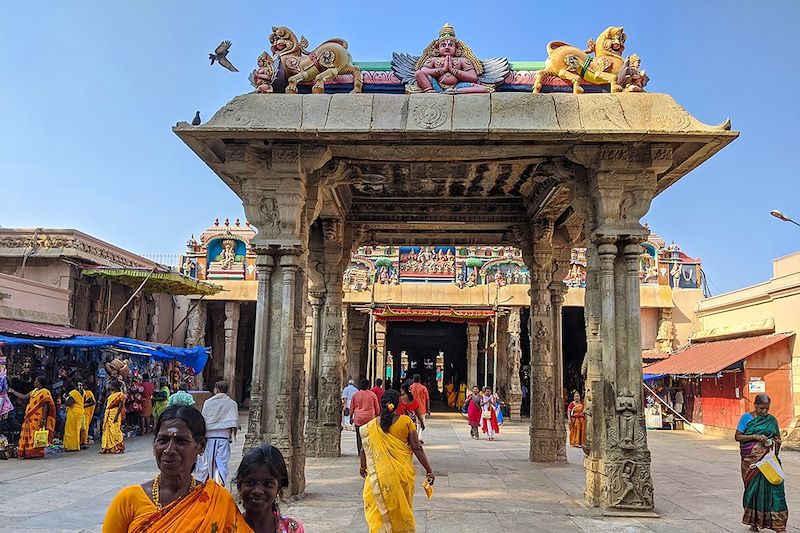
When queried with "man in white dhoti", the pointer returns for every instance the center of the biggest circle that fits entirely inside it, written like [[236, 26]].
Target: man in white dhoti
[[222, 422]]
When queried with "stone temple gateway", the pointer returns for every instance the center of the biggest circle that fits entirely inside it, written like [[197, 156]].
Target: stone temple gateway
[[320, 174]]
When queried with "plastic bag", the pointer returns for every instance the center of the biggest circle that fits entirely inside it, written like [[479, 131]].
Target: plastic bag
[[771, 468], [41, 438]]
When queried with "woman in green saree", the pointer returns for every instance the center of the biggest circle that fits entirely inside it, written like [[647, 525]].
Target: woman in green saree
[[764, 503]]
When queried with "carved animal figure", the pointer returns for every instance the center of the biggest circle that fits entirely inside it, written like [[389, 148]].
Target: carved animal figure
[[326, 61], [574, 65], [220, 56]]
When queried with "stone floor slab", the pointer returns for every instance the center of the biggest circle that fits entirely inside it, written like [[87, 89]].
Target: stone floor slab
[[481, 485]]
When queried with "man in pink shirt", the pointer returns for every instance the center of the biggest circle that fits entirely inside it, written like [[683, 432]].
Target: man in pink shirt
[[363, 407], [378, 389]]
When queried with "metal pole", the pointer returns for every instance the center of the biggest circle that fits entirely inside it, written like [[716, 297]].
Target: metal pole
[[370, 345], [494, 375], [486, 355], [195, 304], [129, 300]]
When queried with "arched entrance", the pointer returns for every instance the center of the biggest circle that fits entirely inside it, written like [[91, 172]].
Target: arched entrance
[[319, 174]]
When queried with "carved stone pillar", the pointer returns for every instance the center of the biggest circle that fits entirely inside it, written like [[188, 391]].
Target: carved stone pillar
[[196, 324], [196, 332], [380, 350], [152, 314], [473, 335], [317, 300], [255, 426], [557, 292], [547, 441], [514, 356], [274, 184], [621, 184], [324, 430], [231, 342]]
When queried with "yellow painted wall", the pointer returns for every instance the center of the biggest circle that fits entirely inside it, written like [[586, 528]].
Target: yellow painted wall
[[777, 299]]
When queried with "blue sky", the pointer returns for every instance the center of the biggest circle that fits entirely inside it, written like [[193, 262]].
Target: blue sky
[[90, 91]]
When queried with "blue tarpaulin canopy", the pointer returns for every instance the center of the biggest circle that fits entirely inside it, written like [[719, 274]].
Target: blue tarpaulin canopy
[[192, 357]]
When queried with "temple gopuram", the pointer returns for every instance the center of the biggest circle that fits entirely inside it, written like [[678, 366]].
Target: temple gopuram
[[423, 215]]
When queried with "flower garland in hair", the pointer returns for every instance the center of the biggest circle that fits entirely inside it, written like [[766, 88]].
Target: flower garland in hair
[[390, 407]]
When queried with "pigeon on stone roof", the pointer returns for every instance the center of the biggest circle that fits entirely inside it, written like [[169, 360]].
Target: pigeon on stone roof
[[220, 56], [196, 120]]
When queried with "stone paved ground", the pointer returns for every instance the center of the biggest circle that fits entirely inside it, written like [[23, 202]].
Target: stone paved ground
[[480, 486]]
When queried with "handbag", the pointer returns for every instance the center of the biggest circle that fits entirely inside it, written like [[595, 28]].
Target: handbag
[[771, 468], [486, 415], [40, 438]]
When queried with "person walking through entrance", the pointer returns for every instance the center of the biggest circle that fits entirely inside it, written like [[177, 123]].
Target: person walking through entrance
[[577, 422], [378, 388], [489, 414], [347, 396], [410, 406], [364, 407], [423, 396], [388, 470], [473, 403], [451, 394]]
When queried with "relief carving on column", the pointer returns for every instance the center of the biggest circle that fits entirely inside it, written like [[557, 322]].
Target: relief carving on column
[[665, 338], [629, 485]]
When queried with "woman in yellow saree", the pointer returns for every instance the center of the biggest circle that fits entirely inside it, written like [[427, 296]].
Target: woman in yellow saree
[[113, 439], [388, 471], [74, 426], [89, 403], [174, 502], [40, 414]]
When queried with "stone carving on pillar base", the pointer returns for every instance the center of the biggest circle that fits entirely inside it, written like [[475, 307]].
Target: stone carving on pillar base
[[254, 436], [545, 446], [629, 485]]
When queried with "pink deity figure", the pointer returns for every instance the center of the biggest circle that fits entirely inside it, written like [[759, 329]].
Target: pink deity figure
[[449, 66], [262, 77]]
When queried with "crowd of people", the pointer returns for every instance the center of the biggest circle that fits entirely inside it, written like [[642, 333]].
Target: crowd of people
[[192, 451]]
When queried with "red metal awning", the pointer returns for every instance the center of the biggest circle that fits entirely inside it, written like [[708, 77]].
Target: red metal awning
[[711, 357], [45, 331], [417, 314]]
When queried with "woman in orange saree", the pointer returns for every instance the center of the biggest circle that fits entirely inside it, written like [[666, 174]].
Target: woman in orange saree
[[40, 414], [577, 422], [174, 502], [113, 439]]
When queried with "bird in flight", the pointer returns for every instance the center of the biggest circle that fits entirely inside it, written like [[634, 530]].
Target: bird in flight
[[220, 56]]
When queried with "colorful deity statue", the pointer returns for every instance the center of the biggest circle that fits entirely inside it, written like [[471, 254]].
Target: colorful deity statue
[[631, 77], [574, 65], [293, 63], [262, 77], [448, 65]]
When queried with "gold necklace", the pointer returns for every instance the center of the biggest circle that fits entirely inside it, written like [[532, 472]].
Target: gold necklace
[[156, 494]]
